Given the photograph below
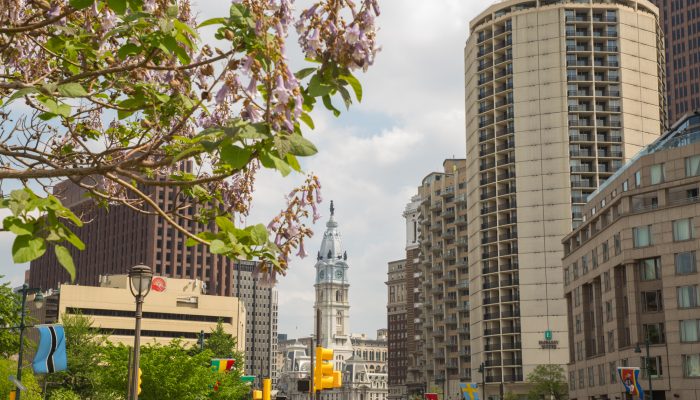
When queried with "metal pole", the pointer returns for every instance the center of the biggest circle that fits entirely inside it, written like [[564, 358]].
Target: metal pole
[[137, 349], [648, 364], [25, 289], [318, 337]]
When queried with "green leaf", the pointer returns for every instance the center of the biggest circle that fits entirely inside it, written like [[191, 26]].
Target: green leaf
[[301, 74], [329, 105], [128, 49], [218, 247], [21, 93], [280, 165], [80, 4], [17, 226], [346, 96], [258, 234], [72, 90], [282, 144], [354, 83], [307, 120], [27, 248], [73, 239], [318, 88], [236, 157], [300, 146], [66, 260], [225, 224], [118, 6], [212, 21]]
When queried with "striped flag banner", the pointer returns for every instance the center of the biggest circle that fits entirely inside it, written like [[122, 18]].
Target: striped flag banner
[[222, 364], [470, 391], [629, 377], [51, 352]]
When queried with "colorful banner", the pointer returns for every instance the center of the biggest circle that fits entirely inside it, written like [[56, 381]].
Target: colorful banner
[[51, 352], [629, 377], [470, 391], [222, 364], [431, 396]]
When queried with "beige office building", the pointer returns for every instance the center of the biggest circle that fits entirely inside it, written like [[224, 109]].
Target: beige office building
[[559, 94], [175, 308], [442, 325], [631, 275]]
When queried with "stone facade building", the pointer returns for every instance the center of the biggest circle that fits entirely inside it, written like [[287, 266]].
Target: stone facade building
[[559, 95], [396, 322], [631, 274]]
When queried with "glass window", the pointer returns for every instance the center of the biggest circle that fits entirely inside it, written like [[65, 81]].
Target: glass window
[[606, 280], [613, 372], [654, 367], [685, 263], [683, 229], [611, 341], [581, 379], [692, 165], [572, 380], [625, 186], [650, 269], [691, 365], [642, 236], [654, 332], [591, 377], [618, 243], [605, 251], [688, 296], [601, 374], [638, 179], [657, 173], [689, 330], [584, 264], [651, 301]]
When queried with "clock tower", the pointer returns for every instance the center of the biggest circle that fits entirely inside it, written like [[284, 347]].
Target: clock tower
[[332, 288]]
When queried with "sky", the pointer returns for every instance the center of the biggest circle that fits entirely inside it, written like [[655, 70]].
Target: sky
[[371, 159]]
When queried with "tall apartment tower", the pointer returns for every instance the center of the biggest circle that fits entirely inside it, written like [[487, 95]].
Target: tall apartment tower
[[396, 323], [261, 320], [559, 94], [680, 20], [443, 274], [414, 353]]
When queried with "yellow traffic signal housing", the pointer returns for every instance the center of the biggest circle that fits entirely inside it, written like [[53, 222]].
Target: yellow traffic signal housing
[[323, 374], [337, 379], [267, 389], [257, 394], [139, 382]]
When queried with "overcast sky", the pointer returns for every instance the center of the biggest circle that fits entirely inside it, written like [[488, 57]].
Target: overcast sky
[[372, 158]]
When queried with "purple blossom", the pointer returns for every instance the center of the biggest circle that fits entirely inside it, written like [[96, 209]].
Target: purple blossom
[[302, 252], [109, 20], [222, 93], [149, 6], [54, 11], [280, 91]]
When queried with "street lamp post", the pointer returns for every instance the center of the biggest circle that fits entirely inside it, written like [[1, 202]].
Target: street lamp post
[[38, 302], [482, 371], [140, 278], [647, 364]]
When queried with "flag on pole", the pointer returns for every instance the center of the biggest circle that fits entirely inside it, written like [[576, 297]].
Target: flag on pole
[[629, 377], [470, 391], [431, 396], [222, 364], [51, 352]]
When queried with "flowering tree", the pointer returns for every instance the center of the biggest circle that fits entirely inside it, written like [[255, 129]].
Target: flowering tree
[[116, 95]]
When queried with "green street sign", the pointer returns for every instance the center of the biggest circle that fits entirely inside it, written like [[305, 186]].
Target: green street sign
[[547, 335], [248, 378]]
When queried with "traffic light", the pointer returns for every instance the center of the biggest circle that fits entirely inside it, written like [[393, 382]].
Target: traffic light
[[267, 388], [337, 379], [138, 383], [257, 395], [323, 374]]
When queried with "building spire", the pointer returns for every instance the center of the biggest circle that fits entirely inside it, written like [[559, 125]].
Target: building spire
[[332, 209]]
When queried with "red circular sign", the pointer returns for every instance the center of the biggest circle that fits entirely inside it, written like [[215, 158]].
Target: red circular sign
[[158, 284]]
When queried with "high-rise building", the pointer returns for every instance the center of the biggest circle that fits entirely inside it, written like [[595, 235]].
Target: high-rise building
[[396, 322], [120, 238], [680, 21], [631, 274], [559, 94], [441, 359], [261, 317]]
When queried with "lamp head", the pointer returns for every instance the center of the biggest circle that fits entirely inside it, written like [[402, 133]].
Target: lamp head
[[140, 277], [39, 300], [637, 349]]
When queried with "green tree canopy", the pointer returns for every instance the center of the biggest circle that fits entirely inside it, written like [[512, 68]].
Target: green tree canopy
[[9, 367], [10, 304], [114, 95], [222, 344], [548, 380]]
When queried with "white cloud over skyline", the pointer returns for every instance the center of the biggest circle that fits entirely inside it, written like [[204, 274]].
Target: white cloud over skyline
[[373, 157]]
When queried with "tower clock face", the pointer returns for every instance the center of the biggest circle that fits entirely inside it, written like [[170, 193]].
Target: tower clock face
[[339, 274], [320, 274]]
